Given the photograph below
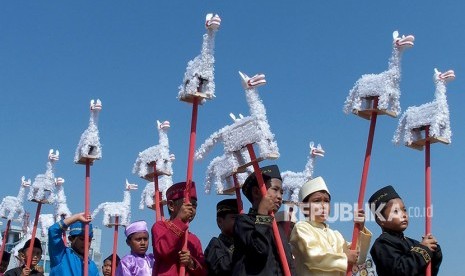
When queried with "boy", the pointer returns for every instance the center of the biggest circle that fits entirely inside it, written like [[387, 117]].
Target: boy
[[138, 262], [36, 256], [168, 236], [392, 252], [106, 267], [218, 254], [318, 249], [69, 261], [255, 251]]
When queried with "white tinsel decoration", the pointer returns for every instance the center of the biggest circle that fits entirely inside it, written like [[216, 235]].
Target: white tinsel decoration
[[89, 144], [246, 130], [43, 187], [159, 153], [385, 85], [202, 66], [293, 181], [434, 114], [13, 205], [146, 198], [122, 209], [221, 168]]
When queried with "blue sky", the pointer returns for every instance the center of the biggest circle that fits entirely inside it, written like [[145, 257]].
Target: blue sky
[[56, 56]]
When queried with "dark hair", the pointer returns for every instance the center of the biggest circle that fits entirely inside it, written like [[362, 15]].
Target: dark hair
[[37, 244]]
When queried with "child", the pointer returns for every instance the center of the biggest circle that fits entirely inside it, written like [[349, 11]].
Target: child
[[392, 252], [255, 251], [138, 262], [5, 262], [36, 256], [319, 250], [106, 267], [168, 236], [218, 254], [69, 261]]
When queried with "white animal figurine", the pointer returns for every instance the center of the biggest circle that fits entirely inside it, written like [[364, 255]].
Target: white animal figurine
[[143, 166], [122, 209], [13, 205], [434, 114], [146, 198], [384, 86], [43, 187], [293, 181], [253, 129], [89, 147], [199, 75]]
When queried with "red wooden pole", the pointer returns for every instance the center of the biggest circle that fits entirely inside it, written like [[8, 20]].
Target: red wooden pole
[[87, 214], [156, 195], [33, 236], [237, 188], [427, 189], [190, 169], [115, 246], [5, 237], [363, 183], [277, 237]]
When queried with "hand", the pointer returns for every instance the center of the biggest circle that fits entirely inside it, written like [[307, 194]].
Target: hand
[[266, 206], [185, 259], [429, 241], [186, 212], [26, 271], [359, 218], [78, 217], [352, 256]]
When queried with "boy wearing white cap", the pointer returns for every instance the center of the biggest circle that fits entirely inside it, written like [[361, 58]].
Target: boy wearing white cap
[[137, 262], [319, 250]]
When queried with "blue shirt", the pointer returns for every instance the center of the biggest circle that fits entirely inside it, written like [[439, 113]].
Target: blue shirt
[[63, 260]]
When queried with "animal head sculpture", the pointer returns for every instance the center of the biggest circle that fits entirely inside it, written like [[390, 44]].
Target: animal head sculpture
[[130, 186], [402, 42], [443, 77], [316, 151], [95, 105], [212, 21], [252, 82], [24, 182]]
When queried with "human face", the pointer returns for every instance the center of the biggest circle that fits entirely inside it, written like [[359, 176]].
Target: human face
[[395, 216], [175, 206], [226, 224], [319, 206], [36, 256], [139, 242], [106, 268], [275, 192], [77, 244]]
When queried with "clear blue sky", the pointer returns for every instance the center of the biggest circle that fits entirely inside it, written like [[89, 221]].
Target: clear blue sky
[[57, 55]]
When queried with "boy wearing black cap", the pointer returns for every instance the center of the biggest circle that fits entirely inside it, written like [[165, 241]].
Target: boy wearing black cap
[[168, 236], [392, 252], [218, 254], [106, 267], [255, 250], [36, 256]]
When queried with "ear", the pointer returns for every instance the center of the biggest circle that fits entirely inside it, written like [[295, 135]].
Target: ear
[[219, 222], [170, 205], [256, 194]]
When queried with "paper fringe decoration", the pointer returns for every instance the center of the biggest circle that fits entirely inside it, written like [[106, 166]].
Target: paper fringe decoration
[[434, 114], [43, 187], [202, 66], [120, 209], [384, 85], [13, 205], [89, 143]]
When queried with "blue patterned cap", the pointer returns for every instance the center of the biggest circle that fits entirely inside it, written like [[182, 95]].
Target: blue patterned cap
[[77, 229]]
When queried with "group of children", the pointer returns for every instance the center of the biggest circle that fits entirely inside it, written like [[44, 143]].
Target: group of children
[[247, 245]]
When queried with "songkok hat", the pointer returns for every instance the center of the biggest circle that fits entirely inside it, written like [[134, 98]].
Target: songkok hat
[[268, 173], [284, 216], [226, 206], [176, 191], [136, 227], [77, 229], [36, 244], [314, 185], [381, 196]]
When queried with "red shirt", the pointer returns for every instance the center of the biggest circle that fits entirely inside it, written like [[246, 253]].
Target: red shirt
[[167, 241]]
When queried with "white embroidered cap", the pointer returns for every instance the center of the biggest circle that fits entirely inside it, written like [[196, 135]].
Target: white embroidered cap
[[313, 185]]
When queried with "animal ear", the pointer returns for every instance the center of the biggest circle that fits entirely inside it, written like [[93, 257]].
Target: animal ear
[[395, 34]]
